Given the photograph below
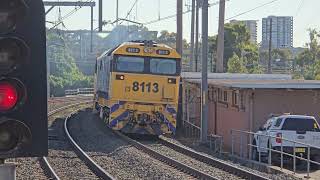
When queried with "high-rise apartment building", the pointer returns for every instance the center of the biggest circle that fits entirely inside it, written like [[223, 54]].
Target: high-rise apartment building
[[252, 27], [281, 32]]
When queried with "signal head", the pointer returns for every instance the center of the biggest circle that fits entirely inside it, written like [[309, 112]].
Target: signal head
[[11, 11], [13, 53], [13, 134]]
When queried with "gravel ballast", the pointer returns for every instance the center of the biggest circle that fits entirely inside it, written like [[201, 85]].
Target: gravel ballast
[[206, 151], [31, 168], [213, 171], [114, 154]]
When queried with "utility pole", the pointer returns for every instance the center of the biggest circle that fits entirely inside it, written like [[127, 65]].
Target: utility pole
[[117, 13], [204, 83], [48, 77], [220, 47], [81, 55], [193, 7], [179, 45], [196, 54], [270, 47], [100, 15], [91, 33]]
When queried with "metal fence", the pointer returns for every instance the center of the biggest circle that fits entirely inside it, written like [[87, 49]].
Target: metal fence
[[191, 131], [243, 142], [79, 91]]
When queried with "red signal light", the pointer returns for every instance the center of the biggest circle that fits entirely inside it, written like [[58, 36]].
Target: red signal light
[[8, 96]]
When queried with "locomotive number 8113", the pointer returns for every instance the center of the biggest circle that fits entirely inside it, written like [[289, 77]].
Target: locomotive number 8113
[[137, 88]]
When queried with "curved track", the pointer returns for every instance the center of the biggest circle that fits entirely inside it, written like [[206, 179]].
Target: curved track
[[98, 170], [181, 166], [83, 156]]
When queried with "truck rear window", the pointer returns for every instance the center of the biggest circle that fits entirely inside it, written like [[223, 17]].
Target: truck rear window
[[299, 124]]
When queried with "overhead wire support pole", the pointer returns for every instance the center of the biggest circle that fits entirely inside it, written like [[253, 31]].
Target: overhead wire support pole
[[220, 47], [91, 33], [47, 12], [270, 47], [100, 16], [117, 12], [179, 27], [204, 82], [78, 5], [196, 51], [193, 7]]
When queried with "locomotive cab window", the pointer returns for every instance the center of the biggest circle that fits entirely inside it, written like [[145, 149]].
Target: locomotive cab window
[[163, 66], [129, 64]]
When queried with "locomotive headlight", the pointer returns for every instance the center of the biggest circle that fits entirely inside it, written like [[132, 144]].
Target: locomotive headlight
[[13, 53], [119, 77], [171, 80], [10, 12], [148, 50]]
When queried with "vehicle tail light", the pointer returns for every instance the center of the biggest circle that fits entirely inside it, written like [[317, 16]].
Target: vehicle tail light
[[279, 138]]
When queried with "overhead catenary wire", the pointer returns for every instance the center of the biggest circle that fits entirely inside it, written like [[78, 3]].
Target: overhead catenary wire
[[68, 15], [129, 12], [250, 10], [175, 15]]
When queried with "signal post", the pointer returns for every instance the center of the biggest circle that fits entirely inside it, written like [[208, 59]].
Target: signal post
[[23, 82]]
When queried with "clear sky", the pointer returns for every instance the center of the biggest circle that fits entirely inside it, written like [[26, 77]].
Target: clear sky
[[304, 13]]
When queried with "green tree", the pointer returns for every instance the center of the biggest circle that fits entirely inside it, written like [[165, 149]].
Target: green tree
[[313, 44], [64, 72], [284, 54], [309, 60], [304, 59], [237, 41], [236, 36], [250, 55], [236, 65]]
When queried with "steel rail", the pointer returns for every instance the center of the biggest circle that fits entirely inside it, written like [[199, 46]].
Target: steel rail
[[171, 162], [44, 160], [212, 161], [98, 170]]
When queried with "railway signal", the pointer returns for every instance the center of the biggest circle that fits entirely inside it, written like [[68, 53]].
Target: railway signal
[[23, 87]]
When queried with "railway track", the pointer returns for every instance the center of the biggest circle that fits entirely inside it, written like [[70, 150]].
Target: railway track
[[99, 173], [221, 170], [243, 173], [98, 170], [116, 155]]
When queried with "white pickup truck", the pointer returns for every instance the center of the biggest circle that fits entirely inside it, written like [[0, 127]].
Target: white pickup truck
[[295, 128]]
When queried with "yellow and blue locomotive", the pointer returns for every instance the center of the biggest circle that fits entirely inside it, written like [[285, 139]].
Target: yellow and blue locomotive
[[137, 87]]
